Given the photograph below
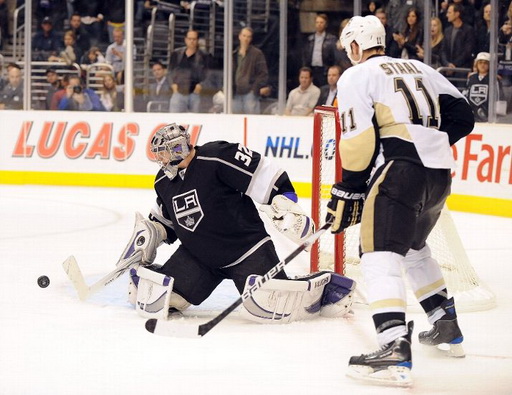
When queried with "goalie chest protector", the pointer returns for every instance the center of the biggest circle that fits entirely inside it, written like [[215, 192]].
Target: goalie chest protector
[[212, 216]]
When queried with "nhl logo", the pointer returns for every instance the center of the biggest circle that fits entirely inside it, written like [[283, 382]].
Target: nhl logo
[[187, 210]]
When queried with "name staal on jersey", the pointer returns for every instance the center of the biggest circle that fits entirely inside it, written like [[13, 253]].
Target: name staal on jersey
[[401, 109]]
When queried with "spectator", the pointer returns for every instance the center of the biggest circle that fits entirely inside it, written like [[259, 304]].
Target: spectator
[[110, 96], [477, 89], [11, 96], [83, 41], [302, 100], [160, 90], [328, 92], [411, 37], [78, 98], [188, 66], [93, 55], [71, 52], [4, 23], [115, 16], [55, 10], [436, 36], [55, 85], [115, 53], [397, 11], [57, 96], [458, 43], [468, 12], [483, 30], [391, 45], [341, 55], [372, 8], [91, 12], [320, 50], [46, 42], [250, 78]]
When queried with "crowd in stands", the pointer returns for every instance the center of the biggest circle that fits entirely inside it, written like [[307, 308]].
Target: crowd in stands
[[91, 32]]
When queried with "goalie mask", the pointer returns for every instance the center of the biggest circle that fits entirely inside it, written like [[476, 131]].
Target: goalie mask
[[368, 32], [171, 144]]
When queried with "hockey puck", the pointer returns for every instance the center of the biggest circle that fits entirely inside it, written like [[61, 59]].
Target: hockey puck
[[43, 281]]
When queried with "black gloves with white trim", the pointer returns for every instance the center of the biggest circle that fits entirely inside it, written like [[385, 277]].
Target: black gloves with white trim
[[345, 207]]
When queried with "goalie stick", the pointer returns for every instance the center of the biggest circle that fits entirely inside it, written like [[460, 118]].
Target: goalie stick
[[169, 328], [77, 279]]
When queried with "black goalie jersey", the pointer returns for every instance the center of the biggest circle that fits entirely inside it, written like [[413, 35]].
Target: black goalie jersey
[[209, 205]]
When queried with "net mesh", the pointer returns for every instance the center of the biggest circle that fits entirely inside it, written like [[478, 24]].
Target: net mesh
[[461, 279]]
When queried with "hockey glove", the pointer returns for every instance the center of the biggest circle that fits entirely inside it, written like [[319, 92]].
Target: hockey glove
[[146, 238], [289, 218], [345, 207]]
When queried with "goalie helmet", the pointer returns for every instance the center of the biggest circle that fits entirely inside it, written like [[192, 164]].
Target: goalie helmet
[[368, 32], [170, 144]]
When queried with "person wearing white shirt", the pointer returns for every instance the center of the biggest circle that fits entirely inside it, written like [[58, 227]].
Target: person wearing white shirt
[[302, 100]]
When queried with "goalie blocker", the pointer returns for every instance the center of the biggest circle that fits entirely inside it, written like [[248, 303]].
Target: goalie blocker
[[323, 294]]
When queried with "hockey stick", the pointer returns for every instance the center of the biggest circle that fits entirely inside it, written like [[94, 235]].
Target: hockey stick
[[77, 279], [168, 328]]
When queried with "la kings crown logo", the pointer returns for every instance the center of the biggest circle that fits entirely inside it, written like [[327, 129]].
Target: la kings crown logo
[[187, 210]]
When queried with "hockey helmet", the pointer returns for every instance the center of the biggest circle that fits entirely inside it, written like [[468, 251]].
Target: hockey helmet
[[170, 144], [368, 32]]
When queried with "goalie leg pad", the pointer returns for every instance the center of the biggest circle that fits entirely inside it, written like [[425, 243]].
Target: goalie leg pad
[[338, 296], [283, 301], [153, 294], [278, 301]]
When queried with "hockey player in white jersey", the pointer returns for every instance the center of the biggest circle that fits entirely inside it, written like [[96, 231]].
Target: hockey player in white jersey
[[205, 199], [398, 118]]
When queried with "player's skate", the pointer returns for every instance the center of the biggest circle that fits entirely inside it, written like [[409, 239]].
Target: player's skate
[[445, 331], [390, 365]]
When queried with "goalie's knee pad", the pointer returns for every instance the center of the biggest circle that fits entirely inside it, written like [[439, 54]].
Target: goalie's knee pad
[[283, 301], [151, 293]]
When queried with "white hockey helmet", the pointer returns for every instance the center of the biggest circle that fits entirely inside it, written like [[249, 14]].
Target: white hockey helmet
[[368, 32], [170, 144]]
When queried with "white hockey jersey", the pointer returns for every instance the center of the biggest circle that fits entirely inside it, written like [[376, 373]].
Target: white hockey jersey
[[397, 107]]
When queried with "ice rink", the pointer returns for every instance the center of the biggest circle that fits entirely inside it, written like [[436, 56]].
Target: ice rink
[[51, 343]]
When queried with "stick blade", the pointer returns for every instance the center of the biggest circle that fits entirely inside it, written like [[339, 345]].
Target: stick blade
[[172, 329], [77, 279]]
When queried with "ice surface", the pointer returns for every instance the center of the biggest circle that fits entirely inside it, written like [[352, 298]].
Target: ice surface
[[51, 343]]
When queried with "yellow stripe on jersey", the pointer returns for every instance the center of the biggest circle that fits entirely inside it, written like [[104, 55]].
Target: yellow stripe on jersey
[[388, 125], [357, 152], [368, 216]]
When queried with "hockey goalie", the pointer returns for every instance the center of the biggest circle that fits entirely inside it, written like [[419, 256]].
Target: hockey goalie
[[206, 199]]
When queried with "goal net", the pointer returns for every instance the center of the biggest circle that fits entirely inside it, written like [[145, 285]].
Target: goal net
[[340, 253]]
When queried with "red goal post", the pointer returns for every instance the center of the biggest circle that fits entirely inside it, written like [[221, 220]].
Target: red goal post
[[325, 172]]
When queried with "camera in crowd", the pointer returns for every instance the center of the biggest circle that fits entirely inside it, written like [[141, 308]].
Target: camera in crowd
[[77, 89]]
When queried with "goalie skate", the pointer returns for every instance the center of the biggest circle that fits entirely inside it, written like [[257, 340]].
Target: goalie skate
[[390, 365], [445, 334]]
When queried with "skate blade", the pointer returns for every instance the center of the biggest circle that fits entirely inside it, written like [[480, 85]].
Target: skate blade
[[452, 350], [447, 350], [394, 376]]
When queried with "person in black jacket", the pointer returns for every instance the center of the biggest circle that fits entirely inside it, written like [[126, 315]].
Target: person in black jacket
[[320, 50]]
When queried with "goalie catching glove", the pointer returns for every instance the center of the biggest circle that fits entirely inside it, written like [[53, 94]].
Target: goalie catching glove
[[146, 238], [289, 218], [345, 207]]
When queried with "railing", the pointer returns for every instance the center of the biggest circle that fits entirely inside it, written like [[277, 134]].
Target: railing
[[17, 30], [38, 83]]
